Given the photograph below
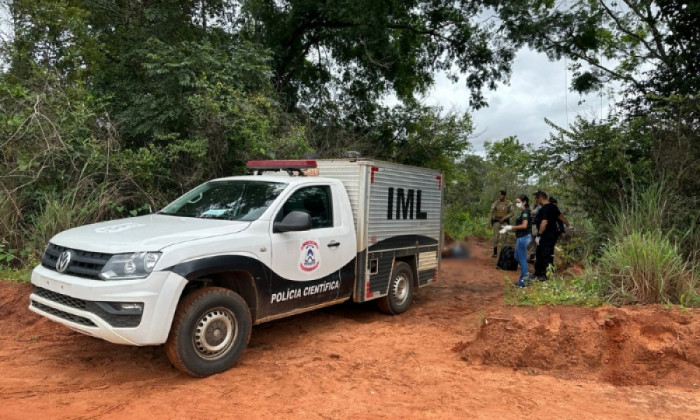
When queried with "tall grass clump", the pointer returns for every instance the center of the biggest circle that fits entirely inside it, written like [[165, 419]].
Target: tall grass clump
[[56, 215], [645, 267], [658, 209], [9, 219], [644, 259]]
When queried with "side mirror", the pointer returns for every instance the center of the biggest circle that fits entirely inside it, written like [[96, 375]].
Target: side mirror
[[293, 222]]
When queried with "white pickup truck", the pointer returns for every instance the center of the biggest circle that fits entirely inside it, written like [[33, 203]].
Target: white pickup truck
[[291, 237]]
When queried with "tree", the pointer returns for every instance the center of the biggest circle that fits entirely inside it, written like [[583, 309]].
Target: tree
[[511, 166], [512, 156], [652, 47], [109, 108], [364, 49], [177, 87], [600, 158], [152, 61]]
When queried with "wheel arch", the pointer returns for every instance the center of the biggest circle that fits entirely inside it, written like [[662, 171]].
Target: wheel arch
[[239, 281], [411, 261], [238, 273]]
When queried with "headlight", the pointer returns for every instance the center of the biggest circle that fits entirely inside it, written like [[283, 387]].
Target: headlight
[[130, 266]]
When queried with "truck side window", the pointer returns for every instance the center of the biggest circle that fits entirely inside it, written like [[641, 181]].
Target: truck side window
[[316, 201]]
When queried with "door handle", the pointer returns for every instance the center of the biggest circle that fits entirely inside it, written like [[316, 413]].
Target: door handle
[[333, 244]]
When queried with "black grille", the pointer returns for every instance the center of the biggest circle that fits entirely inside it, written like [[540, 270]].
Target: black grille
[[102, 309], [59, 298], [84, 264], [65, 315]]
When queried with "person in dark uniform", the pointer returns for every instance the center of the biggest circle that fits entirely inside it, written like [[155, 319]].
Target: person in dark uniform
[[523, 237], [532, 248], [561, 221], [547, 234]]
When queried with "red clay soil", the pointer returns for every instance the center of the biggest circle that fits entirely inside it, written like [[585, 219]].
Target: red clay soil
[[459, 352]]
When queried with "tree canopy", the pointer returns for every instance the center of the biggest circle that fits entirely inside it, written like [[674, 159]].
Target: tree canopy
[[652, 47], [363, 49]]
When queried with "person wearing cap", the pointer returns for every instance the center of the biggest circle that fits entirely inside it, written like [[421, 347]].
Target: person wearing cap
[[500, 214], [547, 234]]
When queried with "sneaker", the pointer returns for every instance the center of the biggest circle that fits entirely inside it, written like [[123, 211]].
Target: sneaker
[[521, 283]]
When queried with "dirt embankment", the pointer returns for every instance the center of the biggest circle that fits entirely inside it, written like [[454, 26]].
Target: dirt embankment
[[458, 352], [628, 346]]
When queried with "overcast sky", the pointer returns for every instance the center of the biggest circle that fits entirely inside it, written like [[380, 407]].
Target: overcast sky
[[537, 90]]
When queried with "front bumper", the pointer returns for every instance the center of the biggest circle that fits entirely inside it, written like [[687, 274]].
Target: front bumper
[[82, 305]]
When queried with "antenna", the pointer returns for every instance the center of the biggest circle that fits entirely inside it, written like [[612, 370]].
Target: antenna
[[600, 59], [566, 94]]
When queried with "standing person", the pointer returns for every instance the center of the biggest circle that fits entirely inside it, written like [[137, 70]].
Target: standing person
[[522, 228], [501, 211], [561, 221], [547, 234], [532, 248]]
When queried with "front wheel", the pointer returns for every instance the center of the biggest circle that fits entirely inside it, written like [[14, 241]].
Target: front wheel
[[400, 290], [210, 330]]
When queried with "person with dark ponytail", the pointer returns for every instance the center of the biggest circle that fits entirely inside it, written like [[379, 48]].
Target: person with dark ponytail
[[523, 237]]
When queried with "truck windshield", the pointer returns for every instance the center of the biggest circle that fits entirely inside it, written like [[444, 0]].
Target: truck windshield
[[227, 200]]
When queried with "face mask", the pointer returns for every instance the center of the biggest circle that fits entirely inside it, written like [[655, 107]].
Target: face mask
[[520, 205]]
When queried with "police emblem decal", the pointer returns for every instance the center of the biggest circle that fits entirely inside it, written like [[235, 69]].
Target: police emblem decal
[[310, 258], [63, 261]]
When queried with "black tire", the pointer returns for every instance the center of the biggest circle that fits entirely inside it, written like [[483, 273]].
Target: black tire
[[210, 330], [400, 293]]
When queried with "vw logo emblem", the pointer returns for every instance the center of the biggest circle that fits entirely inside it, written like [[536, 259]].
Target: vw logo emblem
[[63, 261]]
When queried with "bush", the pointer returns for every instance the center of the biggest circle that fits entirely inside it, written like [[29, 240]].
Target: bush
[[459, 224], [645, 268], [649, 257]]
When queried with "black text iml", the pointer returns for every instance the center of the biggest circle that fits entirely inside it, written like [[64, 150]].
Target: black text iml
[[404, 205]]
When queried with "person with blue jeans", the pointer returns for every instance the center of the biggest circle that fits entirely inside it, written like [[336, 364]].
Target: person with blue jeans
[[523, 237]]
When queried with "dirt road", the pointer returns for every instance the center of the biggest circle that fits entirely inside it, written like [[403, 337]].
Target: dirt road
[[457, 353]]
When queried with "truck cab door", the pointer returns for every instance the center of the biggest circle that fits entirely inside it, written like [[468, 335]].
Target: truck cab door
[[306, 264]]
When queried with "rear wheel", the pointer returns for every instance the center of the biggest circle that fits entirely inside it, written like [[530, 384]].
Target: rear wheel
[[210, 330], [400, 290]]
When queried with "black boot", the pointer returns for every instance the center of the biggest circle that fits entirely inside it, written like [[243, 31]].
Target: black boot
[[495, 252]]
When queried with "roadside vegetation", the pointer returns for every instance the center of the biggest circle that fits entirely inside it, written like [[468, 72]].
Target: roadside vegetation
[[114, 109], [645, 258]]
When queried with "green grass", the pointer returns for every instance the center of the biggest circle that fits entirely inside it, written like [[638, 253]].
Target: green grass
[[15, 275], [557, 290], [693, 300]]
